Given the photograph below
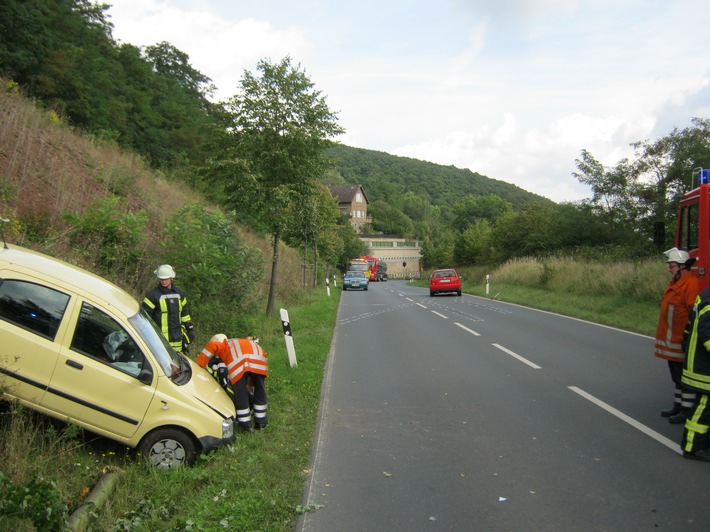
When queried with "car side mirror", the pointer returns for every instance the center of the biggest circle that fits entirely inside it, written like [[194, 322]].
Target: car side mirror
[[146, 375]]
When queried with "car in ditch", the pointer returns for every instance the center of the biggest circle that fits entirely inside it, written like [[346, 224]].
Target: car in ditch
[[79, 348], [444, 281], [355, 280]]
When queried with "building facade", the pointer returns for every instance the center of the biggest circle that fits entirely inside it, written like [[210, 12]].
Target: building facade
[[403, 257], [352, 202]]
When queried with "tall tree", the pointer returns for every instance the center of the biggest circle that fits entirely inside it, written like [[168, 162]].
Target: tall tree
[[665, 166], [281, 129], [612, 192]]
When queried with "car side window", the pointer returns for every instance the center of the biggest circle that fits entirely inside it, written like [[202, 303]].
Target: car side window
[[99, 336], [32, 306]]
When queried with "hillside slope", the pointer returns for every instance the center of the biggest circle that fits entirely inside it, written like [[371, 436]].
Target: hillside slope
[[386, 176], [49, 170]]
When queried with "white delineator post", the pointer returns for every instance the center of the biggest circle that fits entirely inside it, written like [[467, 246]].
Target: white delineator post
[[327, 286], [488, 284], [288, 338]]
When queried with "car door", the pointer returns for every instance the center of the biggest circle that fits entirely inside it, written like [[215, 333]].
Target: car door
[[31, 328], [96, 380]]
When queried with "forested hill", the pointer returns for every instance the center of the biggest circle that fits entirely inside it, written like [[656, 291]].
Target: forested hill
[[387, 177]]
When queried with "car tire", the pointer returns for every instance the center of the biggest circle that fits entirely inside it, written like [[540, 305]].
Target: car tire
[[366, 288], [431, 294], [458, 293], [168, 449]]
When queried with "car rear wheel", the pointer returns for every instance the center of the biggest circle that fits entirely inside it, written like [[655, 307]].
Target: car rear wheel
[[168, 449], [431, 294], [458, 293]]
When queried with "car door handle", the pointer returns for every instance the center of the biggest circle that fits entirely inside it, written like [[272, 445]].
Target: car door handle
[[74, 364]]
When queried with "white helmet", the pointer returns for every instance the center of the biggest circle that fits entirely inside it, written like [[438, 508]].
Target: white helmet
[[165, 271], [218, 338], [676, 255]]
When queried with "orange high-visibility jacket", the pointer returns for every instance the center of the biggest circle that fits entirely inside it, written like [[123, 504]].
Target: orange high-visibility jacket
[[677, 302], [241, 355]]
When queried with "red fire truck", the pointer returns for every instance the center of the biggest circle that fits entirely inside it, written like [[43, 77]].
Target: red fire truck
[[378, 268], [693, 229]]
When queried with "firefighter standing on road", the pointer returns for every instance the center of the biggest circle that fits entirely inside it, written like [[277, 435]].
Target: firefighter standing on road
[[247, 365], [696, 376], [677, 302], [167, 305]]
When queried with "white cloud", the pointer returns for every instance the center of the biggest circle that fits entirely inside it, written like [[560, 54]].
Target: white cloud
[[513, 90]]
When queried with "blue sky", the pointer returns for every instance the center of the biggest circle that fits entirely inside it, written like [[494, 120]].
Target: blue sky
[[512, 89]]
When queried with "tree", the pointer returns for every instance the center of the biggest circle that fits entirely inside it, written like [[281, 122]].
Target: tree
[[280, 128], [489, 207], [612, 193], [473, 244], [664, 168]]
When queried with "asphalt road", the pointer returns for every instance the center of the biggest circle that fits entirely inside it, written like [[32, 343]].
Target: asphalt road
[[463, 413]]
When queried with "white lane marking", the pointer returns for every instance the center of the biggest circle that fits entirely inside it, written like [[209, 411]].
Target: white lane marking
[[421, 305], [467, 329], [526, 361], [672, 445], [439, 314]]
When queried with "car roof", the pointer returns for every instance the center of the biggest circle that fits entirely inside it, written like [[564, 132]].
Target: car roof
[[73, 278]]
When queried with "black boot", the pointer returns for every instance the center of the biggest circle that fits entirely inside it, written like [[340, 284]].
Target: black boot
[[671, 411], [681, 416]]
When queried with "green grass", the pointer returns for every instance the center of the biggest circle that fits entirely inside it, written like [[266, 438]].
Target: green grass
[[618, 311]]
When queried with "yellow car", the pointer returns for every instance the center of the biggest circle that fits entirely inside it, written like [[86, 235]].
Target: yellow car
[[78, 348]]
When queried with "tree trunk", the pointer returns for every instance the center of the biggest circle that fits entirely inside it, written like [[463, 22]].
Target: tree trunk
[[315, 263], [274, 268]]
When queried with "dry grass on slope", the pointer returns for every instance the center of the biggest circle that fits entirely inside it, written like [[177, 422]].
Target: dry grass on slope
[[47, 169]]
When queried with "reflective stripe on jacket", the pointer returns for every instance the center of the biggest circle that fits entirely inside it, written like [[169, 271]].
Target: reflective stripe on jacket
[[696, 370], [678, 300], [241, 355], [168, 309]]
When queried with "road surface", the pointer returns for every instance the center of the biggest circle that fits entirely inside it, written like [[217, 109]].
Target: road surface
[[464, 413]]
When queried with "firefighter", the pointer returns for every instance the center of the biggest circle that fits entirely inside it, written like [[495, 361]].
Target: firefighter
[[247, 366], [678, 299], [167, 304], [696, 376]]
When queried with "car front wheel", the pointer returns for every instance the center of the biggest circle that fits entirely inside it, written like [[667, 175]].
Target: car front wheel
[[168, 449]]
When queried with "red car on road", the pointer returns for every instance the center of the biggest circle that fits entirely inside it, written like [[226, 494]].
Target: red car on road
[[441, 281]]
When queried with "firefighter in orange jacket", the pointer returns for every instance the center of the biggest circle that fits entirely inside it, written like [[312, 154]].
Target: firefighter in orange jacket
[[678, 300], [246, 366]]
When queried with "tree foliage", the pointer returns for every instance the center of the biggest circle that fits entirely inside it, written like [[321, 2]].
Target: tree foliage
[[280, 129]]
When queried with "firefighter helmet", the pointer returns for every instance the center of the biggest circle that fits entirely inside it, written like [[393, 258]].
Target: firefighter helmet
[[165, 271], [218, 338], [678, 255]]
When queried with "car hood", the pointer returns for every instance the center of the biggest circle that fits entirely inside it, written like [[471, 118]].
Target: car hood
[[205, 388]]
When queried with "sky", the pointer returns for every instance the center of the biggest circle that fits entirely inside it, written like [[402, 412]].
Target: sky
[[511, 89]]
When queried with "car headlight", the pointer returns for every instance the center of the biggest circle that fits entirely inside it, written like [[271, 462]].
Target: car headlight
[[227, 428]]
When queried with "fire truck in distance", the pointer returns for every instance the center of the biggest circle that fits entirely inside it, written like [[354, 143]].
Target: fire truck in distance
[[378, 268], [693, 227], [359, 265]]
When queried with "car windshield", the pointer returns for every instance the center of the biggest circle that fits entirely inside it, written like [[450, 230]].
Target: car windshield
[[174, 364], [355, 274]]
